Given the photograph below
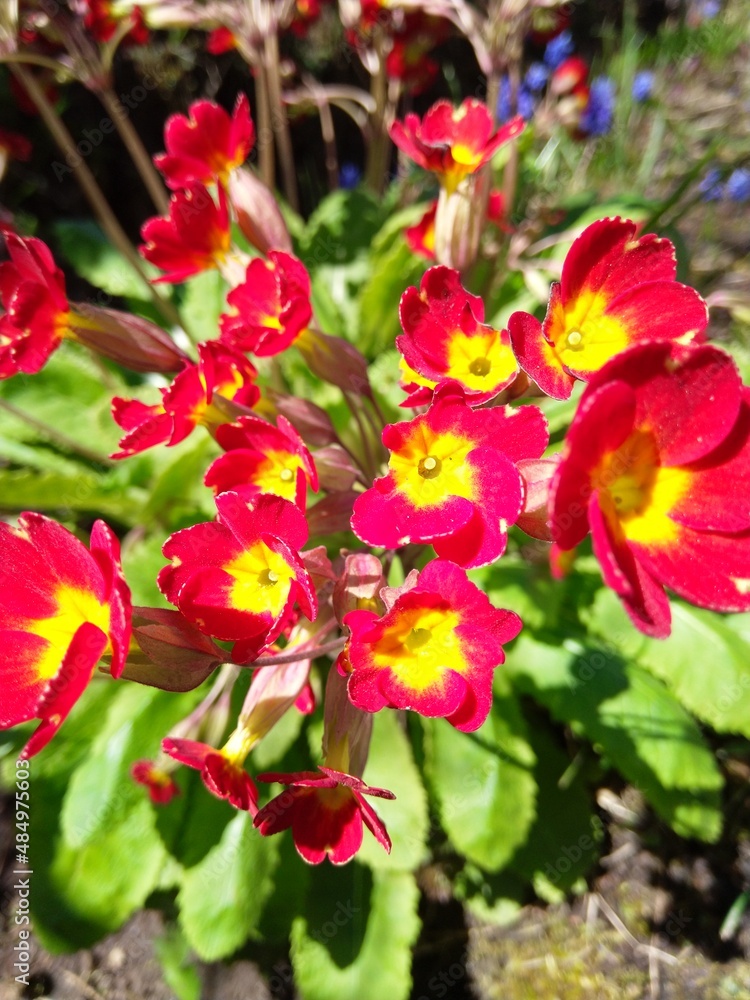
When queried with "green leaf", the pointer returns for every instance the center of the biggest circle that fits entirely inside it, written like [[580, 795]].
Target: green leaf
[[222, 898], [180, 975], [341, 227], [562, 844], [483, 781], [392, 272], [22, 489], [633, 720], [360, 950], [391, 765], [92, 256], [719, 694], [101, 790], [90, 891], [180, 484], [203, 301]]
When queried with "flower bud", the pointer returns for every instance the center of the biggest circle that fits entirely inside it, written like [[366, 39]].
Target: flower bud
[[257, 212]]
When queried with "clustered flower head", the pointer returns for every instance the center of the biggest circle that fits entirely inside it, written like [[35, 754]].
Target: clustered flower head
[[655, 467]]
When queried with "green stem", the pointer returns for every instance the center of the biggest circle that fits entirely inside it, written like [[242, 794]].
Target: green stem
[[55, 436], [305, 652], [266, 162]]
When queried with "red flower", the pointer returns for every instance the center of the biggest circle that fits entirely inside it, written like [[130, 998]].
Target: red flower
[[32, 290], [615, 290], [222, 770], [194, 237], [238, 577], [201, 393], [452, 479], [207, 145], [420, 238], [656, 465], [445, 338], [326, 810], [162, 787], [62, 607], [271, 308], [14, 146], [453, 142], [434, 650], [103, 23], [260, 458]]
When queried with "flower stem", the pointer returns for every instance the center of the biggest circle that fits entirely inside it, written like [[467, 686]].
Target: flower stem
[[90, 188], [306, 652], [135, 147], [280, 121]]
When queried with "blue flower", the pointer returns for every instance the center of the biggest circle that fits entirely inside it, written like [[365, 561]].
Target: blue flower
[[738, 185], [599, 112], [536, 77], [711, 187], [349, 176], [525, 102], [643, 85], [558, 50]]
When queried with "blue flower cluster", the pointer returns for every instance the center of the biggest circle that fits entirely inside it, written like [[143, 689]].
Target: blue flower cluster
[[599, 113], [736, 188]]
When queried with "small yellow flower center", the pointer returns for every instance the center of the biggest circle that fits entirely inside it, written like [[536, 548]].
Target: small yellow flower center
[[429, 467], [574, 339], [268, 578], [286, 475], [417, 638], [480, 367]]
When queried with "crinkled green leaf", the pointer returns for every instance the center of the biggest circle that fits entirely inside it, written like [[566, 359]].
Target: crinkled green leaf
[[362, 948], [634, 721], [223, 897], [103, 495], [484, 781], [101, 790], [203, 300], [92, 256], [705, 662]]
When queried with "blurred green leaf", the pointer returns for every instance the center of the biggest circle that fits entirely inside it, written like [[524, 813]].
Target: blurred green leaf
[[392, 272], [719, 695], [484, 782], [381, 934], [85, 246], [223, 897], [632, 719], [101, 790], [22, 489], [180, 974], [202, 301], [341, 227], [391, 765], [89, 891]]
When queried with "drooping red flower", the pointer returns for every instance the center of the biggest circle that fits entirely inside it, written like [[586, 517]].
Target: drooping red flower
[[261, 458], [201, 393], [237, 578], [326, 811], [222, 771], [162, 787], [445, 338], [13, 146], [452, 479], [616, 290], [271, 308], [453, 142], [194, 237], [207, 145], [62, 607], [656, 465], [433, 651]]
